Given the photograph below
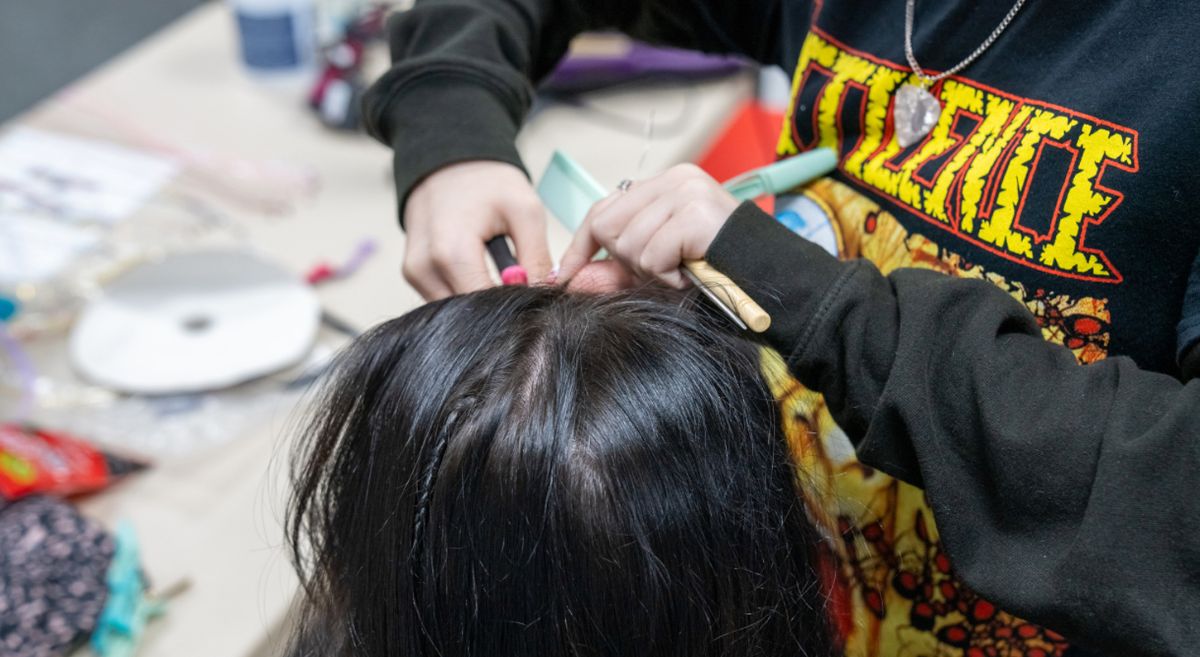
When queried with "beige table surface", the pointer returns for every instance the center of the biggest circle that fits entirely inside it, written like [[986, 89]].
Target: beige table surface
[[215, 518]]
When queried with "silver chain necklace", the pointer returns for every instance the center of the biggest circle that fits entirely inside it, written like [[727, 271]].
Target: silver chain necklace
[[916, 110]]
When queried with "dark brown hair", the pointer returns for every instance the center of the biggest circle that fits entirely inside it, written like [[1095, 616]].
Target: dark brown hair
[[526, 472]]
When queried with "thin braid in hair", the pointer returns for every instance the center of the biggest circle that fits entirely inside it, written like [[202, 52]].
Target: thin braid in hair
[[420, 519], [425, 492]]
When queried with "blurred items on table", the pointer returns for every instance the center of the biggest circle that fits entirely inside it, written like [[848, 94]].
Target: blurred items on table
[[88, 230], [77, 216], [141, 330], [64, 579], [53, 568]]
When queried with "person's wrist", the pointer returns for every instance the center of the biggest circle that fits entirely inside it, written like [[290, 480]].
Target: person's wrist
[[727, 205], [425, 144], [786, 274], [404, 197]]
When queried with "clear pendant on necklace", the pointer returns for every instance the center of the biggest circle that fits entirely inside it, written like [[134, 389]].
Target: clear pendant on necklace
[[914, 114]]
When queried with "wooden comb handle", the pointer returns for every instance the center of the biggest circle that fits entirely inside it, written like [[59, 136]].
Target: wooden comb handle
[[733, 296]]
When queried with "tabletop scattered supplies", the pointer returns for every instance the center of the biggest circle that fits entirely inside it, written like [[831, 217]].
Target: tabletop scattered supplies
[[63, 577], [77, 178], [38, 462], [34, 249], [193, 322], [128, 608], [58, 193], [53, 568]]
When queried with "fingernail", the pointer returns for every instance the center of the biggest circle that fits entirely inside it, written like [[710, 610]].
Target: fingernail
[[514, 275], [552, 277]]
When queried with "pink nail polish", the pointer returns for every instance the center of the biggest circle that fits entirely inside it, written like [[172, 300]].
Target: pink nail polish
[[514, 275]]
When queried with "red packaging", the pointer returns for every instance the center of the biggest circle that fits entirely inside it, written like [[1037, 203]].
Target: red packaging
[[747, 142], [37, 461]]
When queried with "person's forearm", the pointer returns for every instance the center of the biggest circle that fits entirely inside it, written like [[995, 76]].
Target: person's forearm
[[463, 70], [1062, 492]]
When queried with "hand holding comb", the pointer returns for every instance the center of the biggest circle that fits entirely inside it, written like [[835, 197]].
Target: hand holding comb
[[569, 192]]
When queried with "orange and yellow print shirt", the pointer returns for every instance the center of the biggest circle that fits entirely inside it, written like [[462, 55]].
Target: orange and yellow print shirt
[[1059, 170]]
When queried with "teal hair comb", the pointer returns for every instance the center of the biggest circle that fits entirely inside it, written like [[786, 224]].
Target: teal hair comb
[[569, 191]]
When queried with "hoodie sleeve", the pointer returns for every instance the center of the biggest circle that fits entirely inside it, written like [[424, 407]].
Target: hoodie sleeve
[[1063, 492], [463, 71]]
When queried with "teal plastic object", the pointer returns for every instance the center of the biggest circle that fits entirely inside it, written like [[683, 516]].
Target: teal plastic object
[[8, 308], [783, 175], [127, 609], [569, 191]]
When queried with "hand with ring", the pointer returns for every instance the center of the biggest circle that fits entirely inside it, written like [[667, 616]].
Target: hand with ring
[[650, 229]]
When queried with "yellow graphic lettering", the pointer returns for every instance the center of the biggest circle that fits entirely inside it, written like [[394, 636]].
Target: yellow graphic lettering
[[992, 147], [1083, 202], [995, 112], [986, 173], [847, 68], [955, 98], [998, 229], [880, 88], [815, 50]]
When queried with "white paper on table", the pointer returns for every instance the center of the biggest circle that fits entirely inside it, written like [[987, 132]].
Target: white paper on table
[[76, 178], [33, 249]]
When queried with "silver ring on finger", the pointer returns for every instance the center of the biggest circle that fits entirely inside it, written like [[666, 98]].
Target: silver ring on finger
[[624, 185]]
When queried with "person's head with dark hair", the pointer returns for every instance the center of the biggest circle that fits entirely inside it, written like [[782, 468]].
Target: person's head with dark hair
[[527, 472]]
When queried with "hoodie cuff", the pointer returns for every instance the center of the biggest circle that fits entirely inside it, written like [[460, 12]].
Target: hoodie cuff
[[786, 274], [441, 120]]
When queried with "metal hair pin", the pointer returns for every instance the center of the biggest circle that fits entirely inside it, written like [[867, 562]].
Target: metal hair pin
[[712, 296]]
